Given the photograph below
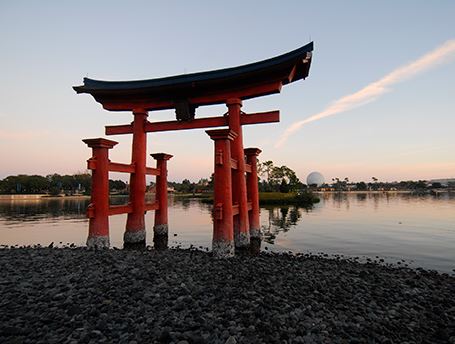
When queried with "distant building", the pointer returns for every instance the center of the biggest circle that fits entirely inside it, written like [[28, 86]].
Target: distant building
[[315, 178], [443, 182]]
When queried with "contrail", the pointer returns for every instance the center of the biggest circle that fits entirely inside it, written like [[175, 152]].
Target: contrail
[[374, 90]]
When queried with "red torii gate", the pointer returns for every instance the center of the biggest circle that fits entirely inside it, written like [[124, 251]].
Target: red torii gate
[[236, 201]]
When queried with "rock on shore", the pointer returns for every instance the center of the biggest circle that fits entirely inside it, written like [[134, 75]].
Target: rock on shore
[[185, 296]]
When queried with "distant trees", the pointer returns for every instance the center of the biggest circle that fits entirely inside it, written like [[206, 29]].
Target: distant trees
[[361, 186], [274, 179], [376, 185], [266, 168], [186, 186], [24, 184], [339, 184], [278, 178], [117, 185], [53, 184], [69, 184]]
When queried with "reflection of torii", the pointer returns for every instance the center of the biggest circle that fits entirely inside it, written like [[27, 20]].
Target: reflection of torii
[[282, 222]]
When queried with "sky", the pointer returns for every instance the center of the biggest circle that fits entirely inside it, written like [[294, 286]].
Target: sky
[[402, 130]]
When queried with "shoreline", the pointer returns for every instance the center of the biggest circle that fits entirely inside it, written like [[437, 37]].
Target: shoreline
[[77, 295], [38, 197], [20, 197], [383, 192]]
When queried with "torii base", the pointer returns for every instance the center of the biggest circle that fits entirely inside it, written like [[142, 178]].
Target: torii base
[[97, 242], [160, 237], [134, 240]]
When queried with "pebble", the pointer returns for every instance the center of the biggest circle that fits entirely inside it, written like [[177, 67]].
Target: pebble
[[73, 295]]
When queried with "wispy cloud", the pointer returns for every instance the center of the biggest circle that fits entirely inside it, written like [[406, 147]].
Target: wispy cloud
[[376, 89]]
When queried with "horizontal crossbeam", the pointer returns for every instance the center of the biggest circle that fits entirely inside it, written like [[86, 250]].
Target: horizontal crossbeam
[[120, 209], [199, 123], [126, 168], [152, 206], [119, 129], [118, 167], [153, 171], [235, 208], [234, 164]]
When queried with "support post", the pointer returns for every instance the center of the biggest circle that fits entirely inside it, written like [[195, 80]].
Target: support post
[[239, 196], [160, 229], [135, 224], [253, 192], [223, 226], [98, 230]]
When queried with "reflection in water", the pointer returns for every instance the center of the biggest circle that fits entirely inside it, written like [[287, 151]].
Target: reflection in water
[[35, 210], [185, 203], [361, 197], [280, 219], [419, 228], [65, 207]]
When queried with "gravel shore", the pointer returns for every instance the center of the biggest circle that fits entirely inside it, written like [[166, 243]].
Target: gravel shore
[[185, 296]]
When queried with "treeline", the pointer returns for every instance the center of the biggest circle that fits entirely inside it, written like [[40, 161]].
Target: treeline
[[274, 179], [376, 185], [204, 185], [54, 184], [81, 184]]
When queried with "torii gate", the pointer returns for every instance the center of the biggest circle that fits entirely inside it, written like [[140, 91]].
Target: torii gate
[[236, 200]]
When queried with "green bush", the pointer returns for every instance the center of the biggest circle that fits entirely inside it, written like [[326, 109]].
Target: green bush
[[304, 199]]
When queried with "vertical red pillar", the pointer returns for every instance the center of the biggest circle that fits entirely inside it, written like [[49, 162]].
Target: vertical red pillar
[[223, 226], [241, 225], [98, 210], [253, 192], [160, 229], [135, 224]]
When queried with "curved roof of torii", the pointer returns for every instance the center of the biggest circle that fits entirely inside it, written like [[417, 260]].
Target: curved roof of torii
[[204, 88]]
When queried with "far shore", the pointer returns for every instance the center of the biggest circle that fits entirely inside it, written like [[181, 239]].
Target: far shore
[[18, 197], [438, 191], [21, 197], [365, 192]]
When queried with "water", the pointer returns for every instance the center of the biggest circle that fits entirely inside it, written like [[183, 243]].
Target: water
[[419, 230]]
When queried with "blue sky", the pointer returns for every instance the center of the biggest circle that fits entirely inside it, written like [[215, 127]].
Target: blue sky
[[49, 46]]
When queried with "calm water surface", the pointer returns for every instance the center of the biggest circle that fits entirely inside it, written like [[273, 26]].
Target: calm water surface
[[420, 230]]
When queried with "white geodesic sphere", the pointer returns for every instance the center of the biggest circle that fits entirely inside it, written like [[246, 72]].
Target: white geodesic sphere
[[315, 178]]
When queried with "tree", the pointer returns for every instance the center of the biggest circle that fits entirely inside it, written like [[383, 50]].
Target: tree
[[83, 182], [36, 184], [117, 185], [284, 186], [421, 184], [283, 178], [338, 184], [266, 168], [276, 176], [361, 186], [186, 186]]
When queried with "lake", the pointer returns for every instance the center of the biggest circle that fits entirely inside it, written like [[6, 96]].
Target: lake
[[420, 230]]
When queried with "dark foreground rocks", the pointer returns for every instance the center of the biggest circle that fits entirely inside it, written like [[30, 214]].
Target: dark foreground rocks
[[185, 296]]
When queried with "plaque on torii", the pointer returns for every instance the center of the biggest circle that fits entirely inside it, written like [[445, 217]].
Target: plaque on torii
[[236, 201]]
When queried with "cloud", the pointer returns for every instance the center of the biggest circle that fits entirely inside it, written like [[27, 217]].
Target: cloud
[[376, 89]]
